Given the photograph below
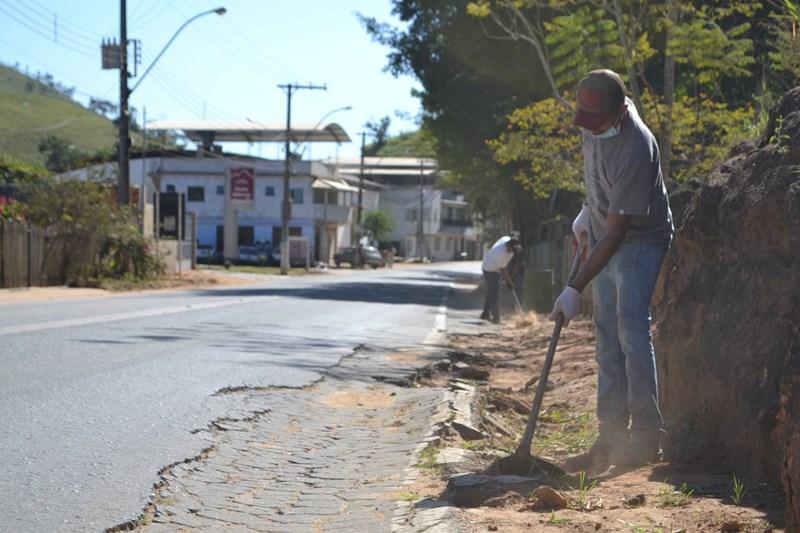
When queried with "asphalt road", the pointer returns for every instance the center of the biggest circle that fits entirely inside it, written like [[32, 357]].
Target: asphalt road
[[97, 395]]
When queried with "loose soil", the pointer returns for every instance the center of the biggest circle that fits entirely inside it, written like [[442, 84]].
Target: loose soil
[[663, 497]]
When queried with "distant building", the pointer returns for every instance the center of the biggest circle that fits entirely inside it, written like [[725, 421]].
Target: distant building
[[323, 204], [447, 231]]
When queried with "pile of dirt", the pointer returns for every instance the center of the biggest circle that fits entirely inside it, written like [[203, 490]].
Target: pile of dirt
[[728, 302]]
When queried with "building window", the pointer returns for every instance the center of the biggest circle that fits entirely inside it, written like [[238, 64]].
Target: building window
[[269, 191], [411, 215], [170, 188], [437, 242], [220, 190], [196, 194], [246, 235], [295, 231], [297, 196], [319, 196]]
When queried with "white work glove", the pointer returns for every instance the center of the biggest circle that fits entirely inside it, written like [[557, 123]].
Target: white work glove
[[581, 222], [568, 304]]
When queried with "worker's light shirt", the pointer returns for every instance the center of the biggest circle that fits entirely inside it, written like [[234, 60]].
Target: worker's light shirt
[[498, 257]]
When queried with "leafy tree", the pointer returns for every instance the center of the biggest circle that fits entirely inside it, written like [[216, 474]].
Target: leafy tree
[[59, 154], [378, 223], [379, 132], [419, 143], [102, 107]]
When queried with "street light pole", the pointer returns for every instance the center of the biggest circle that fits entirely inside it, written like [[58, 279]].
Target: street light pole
[[286, 205], [123, 171]]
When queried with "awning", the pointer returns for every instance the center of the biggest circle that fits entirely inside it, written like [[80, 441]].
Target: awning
[[338, 185], [203, 131]]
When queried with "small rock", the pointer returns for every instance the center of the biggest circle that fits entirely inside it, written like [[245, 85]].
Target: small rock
[[550, 498], [597, 526], [460, 365], [492, 527], [731, 527], [636, 501]]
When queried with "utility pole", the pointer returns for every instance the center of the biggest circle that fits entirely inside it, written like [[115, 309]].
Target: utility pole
[[359, 233], [123, 172], [361, 178], [420, 227], [286, 207]]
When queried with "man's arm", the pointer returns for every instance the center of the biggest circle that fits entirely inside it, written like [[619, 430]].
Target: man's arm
[[605, 248]]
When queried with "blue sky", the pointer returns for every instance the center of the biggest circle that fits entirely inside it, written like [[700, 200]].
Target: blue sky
[[227, 67]]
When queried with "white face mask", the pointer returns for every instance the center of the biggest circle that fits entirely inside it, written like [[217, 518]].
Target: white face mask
[[610, 132]]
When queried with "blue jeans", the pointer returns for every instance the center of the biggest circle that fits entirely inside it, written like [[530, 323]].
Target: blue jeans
[[627, 388]]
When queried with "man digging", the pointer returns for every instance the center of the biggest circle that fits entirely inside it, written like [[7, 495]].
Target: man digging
[[494, 265], [629, 226]]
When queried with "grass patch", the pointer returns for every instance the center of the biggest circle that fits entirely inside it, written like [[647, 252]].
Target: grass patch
[[428, 459], [565, 433], [557, 521], [255, 269], [585, 486], [501, 444], [669, 496], [404, 496], [648, 529]]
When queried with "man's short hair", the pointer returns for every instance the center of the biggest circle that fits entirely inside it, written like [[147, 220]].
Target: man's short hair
[[599, 95]]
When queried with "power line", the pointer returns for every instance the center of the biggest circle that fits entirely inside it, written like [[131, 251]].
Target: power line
[[94, 35], [242, 56], [65, 32], [43, 34]]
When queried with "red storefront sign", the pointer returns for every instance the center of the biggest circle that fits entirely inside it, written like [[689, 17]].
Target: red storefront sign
[[241, 187]]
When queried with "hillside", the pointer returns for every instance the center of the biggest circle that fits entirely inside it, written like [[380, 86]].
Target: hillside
[[30, 110]]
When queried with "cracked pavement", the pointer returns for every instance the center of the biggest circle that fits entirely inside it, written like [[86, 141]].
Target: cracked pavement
[[335, 456]]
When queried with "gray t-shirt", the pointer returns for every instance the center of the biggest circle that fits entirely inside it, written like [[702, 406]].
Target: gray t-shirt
[[623, 175]]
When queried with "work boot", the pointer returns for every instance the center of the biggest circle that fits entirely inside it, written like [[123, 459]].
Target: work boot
[[597, 457], [643, 447]]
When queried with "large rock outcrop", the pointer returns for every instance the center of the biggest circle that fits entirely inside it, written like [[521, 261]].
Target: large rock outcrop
[[727, 310]]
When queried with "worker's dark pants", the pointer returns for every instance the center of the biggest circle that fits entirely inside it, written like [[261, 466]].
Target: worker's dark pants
[[627, 390], [492, 303]]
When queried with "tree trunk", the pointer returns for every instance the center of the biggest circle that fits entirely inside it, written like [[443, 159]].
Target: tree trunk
[[626, 46], [669, 90]]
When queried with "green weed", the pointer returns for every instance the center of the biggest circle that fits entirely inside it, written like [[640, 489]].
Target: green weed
[[780, 138], [671, 497], [584, 487], [556, 521], [738, 490], [428, 459]]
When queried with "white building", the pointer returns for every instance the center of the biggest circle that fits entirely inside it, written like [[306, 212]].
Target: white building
[[323, 204], [410, 186]]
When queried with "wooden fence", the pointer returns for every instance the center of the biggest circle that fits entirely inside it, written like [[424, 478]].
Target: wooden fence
[[33, 256]]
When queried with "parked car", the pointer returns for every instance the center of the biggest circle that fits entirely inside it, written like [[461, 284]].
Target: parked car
[[372, 257], [252, 255], [205, 253]]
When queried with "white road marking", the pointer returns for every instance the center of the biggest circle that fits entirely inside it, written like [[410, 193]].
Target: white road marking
[[85, 321], [437, 333]]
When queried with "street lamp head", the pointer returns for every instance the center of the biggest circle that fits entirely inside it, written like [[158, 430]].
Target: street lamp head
[[220, 11]]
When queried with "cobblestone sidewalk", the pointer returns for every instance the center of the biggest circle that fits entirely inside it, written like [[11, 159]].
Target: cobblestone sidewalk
[[331, 457]]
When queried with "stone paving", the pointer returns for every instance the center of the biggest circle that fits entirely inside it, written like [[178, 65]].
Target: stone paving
[[335, 456]]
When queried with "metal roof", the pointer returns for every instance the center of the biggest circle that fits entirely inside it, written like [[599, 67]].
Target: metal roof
[[339, 185], [251, 131]]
